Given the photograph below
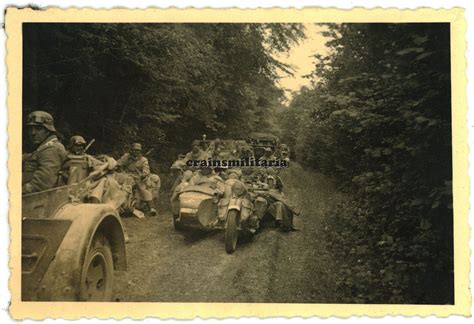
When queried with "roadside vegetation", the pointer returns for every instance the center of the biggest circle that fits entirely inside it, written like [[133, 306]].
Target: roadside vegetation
[[377, 118]]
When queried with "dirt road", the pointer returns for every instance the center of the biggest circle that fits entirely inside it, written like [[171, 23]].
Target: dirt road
[[169, 266]]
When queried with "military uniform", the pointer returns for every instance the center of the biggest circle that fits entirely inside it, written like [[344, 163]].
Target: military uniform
[[139, 169], [268, 158], [41, 168]]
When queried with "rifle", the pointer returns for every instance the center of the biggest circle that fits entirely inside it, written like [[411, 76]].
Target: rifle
[[147, 153], [89, 145]]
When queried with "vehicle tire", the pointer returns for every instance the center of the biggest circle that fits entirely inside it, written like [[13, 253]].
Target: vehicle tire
[[97, 271], [177, 225], [231, 233]]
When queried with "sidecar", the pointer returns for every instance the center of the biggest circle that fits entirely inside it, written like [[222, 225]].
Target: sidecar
[[197, 207], [202, 207]]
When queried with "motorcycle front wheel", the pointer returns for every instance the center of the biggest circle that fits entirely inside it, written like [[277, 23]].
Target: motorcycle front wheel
[[231, 233]]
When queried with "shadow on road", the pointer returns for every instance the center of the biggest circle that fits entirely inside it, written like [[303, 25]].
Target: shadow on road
[[192, 235]]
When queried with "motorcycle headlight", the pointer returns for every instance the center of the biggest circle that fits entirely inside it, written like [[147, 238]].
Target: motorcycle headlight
[[238, 189]]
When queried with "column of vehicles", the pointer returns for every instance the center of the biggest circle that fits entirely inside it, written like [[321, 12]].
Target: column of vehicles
[[235, 200], [73, 237]]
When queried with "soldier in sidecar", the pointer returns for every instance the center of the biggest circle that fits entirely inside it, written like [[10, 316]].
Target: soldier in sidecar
[[205, 201], [266, 188]]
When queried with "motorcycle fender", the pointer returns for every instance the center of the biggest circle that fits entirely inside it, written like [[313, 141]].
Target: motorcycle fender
[[235, 203], [222, 208], [62, 281]]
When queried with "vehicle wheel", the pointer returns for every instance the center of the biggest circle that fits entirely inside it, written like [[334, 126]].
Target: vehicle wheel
[[97, 271], [177, 225], [231, 233]]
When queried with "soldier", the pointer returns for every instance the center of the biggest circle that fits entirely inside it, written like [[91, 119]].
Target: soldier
[[136, 165], [206, 177], [77, 145], [41, 167], [196, 153], [78, 164], [268, 155]]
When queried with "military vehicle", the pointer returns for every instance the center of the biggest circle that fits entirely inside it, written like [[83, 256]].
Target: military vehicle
[[71, 247], [202, 206], [260, 141]]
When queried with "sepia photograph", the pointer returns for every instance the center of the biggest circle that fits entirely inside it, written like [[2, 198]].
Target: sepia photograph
[[237, 162]]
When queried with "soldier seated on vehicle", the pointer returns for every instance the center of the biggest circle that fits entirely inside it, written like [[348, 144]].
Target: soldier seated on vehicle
[[215, 148], [103, 183], [268, 154], [185, 181], [246, 151], [207, 177], [78, 164], [196, 153], [272, 178], [40, 168], [177, 169], [233, 174], [137, 166]]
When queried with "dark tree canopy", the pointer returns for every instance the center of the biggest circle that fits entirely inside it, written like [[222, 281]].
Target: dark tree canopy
[[160, 84]]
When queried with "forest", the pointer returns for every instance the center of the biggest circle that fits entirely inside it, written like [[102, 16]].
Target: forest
[[163, 85], [376, 119]]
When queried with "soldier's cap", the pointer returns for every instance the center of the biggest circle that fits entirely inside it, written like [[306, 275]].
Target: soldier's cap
[[77, 140], [136, 146], [195, 143], [41, 118], [267, 149]]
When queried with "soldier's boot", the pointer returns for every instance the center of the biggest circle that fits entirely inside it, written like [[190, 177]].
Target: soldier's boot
[[151, 208]]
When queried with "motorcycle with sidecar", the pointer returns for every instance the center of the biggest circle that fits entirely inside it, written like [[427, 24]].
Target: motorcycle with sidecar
[[205, 206]]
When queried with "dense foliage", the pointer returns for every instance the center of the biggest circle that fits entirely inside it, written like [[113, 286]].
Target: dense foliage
[[378, 118], [160, 84]]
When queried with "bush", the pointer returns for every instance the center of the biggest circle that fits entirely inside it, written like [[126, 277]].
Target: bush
[[378, 119]]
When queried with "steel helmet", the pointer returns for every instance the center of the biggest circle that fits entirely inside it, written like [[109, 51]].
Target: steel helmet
[[77, 140], [237, 172], [136, 146], [41, 118]]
